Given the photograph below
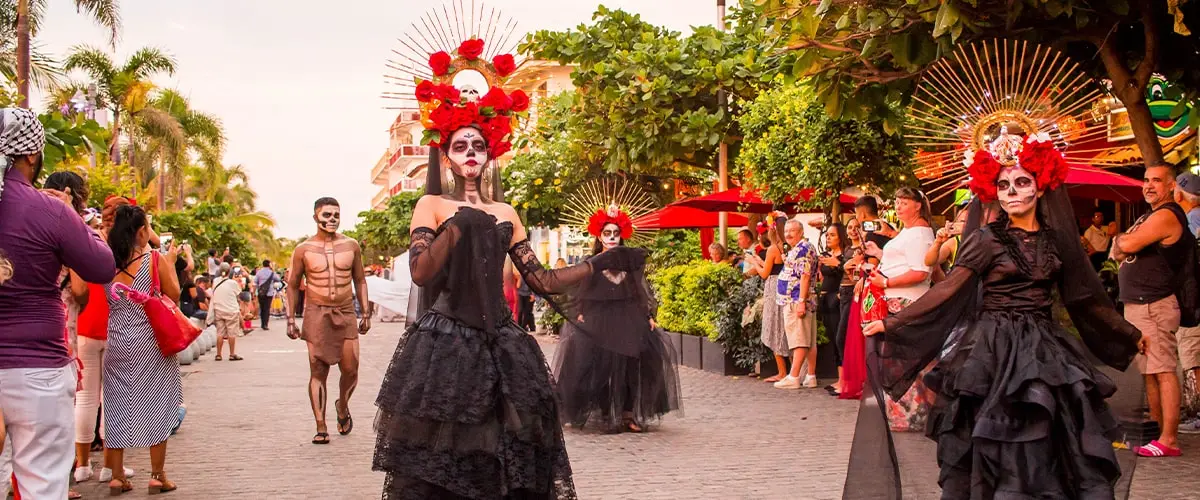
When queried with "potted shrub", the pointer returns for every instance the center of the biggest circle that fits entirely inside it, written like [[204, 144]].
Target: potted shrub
[[737, 347], [688, 298]]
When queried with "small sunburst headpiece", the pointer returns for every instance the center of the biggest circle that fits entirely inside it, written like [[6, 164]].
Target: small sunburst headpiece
[[460, 85], [602, 201], [999, 103], [611, 215]]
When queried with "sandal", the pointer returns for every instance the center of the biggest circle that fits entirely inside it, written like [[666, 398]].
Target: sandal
[[218, 358], [1157, 449], [773, 378], [74, 495], [631, 425], [164, 485], [345, 425], [118, 487], [321, 438], [235, 357]]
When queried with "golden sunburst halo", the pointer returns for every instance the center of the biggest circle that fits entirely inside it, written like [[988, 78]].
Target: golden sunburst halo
[[598, 194]]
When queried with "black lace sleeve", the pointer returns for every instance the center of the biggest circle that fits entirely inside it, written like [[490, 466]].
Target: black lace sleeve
[[430, 251], [546, 281], [914, 336]]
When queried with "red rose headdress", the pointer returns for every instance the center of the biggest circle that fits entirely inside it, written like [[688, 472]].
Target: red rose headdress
[[446, 109], [1037, 155], [612, 215]]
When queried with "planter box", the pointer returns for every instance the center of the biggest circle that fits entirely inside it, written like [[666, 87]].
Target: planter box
[[716, 360], [768, 368], [689, 353], [827, 361], [674, 344]]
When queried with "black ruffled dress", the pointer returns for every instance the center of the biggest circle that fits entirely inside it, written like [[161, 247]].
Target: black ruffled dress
[[613, 362], [1022, 408]]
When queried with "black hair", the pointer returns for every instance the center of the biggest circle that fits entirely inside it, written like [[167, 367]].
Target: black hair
[[212, 252], [598, 247], [325, 201], [266, 263], [843, 238], [64, 179], [228, 259], [127, 221], [869, 203], [202, 279]]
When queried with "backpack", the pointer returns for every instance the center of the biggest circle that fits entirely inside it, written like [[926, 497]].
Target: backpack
[[1187, 286]]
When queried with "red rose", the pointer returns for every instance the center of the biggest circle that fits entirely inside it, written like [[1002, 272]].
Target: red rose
[[471, 49], [496, 129], [440, 62], [498, 149], [426, 91], [520, 101], [504, 64], [448, 93], [984, 170], [497, 100]]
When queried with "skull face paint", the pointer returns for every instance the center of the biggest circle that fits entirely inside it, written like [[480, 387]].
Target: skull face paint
[[610, 236], [329, 218], [1017, 191], [468, 153]]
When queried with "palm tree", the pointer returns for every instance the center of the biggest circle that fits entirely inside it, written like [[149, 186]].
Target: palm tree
[[203, 138], [124, 88], [29, 16]]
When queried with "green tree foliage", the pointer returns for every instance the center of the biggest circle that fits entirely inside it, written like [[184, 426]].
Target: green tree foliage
[[673, 247], [70, 139], [690, 293], [384, 233], [209, 226], [647, 97], [791, 144], [862, 57], [539, 178]]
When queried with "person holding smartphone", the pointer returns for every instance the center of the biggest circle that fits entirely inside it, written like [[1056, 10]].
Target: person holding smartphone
[[940, 256]]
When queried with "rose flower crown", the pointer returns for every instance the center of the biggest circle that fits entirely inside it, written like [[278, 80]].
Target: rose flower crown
[[446, 108]]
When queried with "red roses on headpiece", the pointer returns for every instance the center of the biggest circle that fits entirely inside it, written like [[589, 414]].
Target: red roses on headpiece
[[492, 113], [1038, 156], [613, 215]]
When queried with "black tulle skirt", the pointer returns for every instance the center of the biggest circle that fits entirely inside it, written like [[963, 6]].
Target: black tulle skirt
[[464, 414], [598, 386], [1021, 413]]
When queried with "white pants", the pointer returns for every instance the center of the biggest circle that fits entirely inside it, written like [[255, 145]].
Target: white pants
[[38, 414], [87, 401]]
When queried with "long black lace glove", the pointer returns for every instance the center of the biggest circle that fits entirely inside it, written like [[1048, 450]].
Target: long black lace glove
[[546, 281], [430, 251]]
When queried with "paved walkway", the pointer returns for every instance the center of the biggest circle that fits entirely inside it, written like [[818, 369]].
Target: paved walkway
[[248, 429]]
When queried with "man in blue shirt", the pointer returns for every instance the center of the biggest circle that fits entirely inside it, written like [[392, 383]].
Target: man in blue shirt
[[1187, 195]]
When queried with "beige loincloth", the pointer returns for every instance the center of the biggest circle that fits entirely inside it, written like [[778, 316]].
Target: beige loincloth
[[327, 328]]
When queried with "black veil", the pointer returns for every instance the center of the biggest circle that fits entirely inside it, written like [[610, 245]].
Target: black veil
[[886, 465]]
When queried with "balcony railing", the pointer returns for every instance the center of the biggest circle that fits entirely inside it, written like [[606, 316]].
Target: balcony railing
[[388, 160]]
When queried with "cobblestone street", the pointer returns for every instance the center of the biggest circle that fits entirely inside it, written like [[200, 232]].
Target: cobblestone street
[[248, 429]]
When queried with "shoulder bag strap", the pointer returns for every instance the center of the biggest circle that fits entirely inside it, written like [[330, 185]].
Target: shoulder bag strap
[[155, 286]]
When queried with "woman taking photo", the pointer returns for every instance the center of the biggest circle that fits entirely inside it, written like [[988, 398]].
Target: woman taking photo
[[904, 278], [829, 305], [142, 389]]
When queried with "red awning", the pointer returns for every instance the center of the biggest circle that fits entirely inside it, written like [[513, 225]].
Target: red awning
[[678, 217], [737, 200], [1084, 181]]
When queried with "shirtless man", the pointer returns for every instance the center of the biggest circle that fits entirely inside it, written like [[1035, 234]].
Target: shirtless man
[[331, 265]]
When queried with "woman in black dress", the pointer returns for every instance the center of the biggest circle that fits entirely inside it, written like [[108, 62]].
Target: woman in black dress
[[1021, 409], [467, 407], [616, 367]]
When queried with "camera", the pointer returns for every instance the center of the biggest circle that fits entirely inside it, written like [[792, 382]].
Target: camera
[[870, 226]]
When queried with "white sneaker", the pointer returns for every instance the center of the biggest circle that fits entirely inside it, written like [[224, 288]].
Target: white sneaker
[[788, 382], [1190, 426], [106, 474], [84, 474], [810, 382]]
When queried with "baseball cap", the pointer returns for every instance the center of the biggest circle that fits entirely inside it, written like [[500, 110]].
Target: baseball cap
[[1188, 183]]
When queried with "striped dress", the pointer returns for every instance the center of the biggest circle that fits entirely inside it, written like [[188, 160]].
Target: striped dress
[[142, 389]]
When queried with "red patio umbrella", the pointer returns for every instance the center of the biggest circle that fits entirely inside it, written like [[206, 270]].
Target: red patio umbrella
[[674, 216], [1085, 181], [739, 200]]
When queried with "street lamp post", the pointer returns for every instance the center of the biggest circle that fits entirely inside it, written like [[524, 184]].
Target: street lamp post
[[722, 149]]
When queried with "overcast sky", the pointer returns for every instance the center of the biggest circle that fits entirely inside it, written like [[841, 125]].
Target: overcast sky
[[297, 84]]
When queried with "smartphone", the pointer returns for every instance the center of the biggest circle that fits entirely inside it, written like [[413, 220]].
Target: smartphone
[[870, 226], [165, 239], [954, 228]]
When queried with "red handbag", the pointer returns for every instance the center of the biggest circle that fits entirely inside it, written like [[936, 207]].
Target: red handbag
[[173, 331]]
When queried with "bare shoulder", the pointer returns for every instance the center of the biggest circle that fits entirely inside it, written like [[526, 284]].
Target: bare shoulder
[[343, 240], [506, 212]]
